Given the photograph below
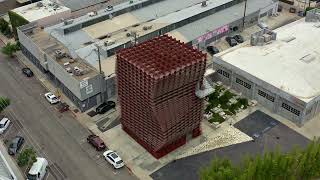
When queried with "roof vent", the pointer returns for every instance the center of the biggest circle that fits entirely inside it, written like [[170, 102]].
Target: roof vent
[[308, 58], [109, 42], [289, 39], [203, 3], [147, 27]]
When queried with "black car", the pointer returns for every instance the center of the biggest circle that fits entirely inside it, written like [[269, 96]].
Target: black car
[[104, 107], [212, 50], [231, 41], [15, 145], [238, 38], [27, 72]]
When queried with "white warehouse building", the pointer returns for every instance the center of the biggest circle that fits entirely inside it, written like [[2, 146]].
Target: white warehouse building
[[280, 69]]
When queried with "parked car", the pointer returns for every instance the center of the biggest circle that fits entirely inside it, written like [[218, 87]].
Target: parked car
[[4, 124], [96, 142], [109, 8], [27, 72], [53, 99], [238, 38], [38, 169], [15, 145], [232, 42], [114, 159], [212, 50], [104, 107]]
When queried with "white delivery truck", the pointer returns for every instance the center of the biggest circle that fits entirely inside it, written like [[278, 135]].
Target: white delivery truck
[[38, 169]]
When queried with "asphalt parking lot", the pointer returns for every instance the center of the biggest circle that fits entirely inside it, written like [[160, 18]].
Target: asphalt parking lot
[[277, 136]]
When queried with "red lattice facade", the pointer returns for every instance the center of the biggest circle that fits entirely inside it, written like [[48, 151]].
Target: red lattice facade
[[157, 81]]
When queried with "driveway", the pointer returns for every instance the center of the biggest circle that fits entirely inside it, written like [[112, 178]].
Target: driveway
[[277, 136], [58, 137]]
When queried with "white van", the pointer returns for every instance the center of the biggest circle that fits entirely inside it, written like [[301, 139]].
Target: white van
[[38, 169]]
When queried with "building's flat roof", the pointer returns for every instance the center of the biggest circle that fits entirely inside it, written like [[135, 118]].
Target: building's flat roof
[[75, 5], [193, 30], [32, 12], [290, 66], [50, 45]]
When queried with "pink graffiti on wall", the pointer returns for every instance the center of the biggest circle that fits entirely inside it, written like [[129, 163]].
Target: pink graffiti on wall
[[211, 34]]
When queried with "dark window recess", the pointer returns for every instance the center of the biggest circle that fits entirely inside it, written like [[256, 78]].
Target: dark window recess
[[223, 73], [290, 109], [265, 95], [244, 84]]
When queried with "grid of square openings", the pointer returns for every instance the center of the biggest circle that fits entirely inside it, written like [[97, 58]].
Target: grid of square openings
[[290, 109], [265, 95], [223, 73], [244, 84]]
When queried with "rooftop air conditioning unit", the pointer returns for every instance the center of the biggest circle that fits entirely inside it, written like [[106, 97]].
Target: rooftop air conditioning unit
[[67, 22], [77, 71], [69, 70], [91, 14], [267, 38], [109, 42], [203, 3], [147, 27], [66, 64]]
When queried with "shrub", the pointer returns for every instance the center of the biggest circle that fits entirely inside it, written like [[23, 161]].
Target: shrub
[[4, 102], [216, 118], [9, 49], [26, 157]]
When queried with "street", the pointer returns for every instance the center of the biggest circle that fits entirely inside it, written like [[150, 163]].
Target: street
[[58, 137]]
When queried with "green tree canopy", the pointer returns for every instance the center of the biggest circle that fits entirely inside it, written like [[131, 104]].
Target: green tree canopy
[[16, 21], [4, 102], [9, 49], [296, 165], [27, 157]]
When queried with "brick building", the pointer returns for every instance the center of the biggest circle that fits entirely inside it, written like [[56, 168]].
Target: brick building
[[157, 81]]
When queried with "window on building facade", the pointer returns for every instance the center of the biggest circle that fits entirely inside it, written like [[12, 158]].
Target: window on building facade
[[223, 73], [290, 109], [265, 95], [244, 84]]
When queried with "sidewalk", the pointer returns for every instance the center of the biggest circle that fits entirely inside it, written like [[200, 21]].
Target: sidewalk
[[11, 163]]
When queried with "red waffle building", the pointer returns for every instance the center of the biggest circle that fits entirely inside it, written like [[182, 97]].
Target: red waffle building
[[157, 81]]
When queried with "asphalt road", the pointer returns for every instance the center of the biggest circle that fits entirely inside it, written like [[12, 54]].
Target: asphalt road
[[57, 137]]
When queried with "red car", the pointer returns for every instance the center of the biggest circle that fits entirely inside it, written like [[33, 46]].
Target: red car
[[96, 142]]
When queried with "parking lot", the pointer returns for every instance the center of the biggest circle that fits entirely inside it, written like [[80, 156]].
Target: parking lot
[[276, 136]]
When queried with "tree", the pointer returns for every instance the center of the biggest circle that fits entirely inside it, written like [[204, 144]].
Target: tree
[[16, 21], [9, 49], [4, 27], [26, 157], [296, 165], [4, 102]]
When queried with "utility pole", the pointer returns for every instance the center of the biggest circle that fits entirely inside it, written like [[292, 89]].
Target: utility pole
[[100, 72], [244, 14], [99, 59]]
